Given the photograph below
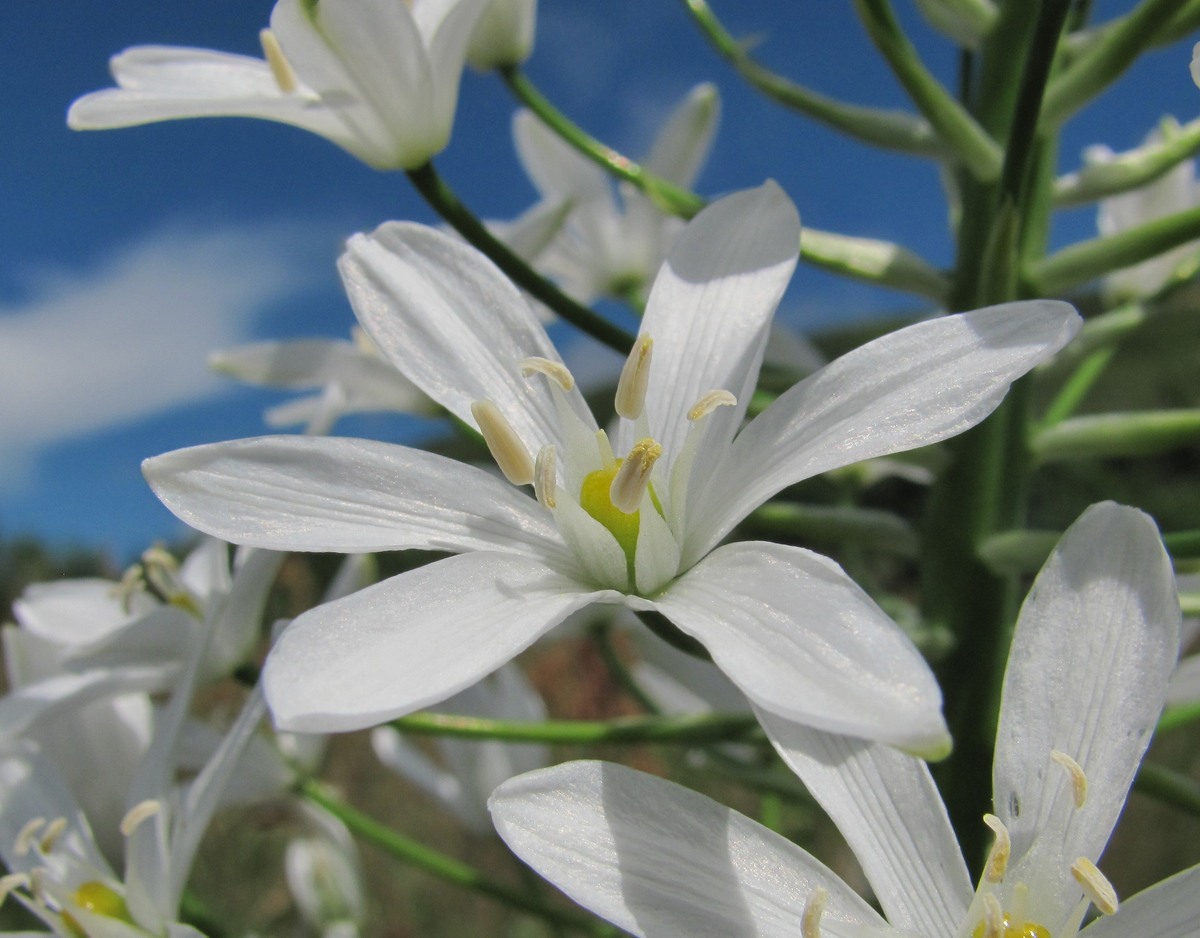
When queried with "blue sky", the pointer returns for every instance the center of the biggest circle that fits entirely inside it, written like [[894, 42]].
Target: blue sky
[[126, 256]]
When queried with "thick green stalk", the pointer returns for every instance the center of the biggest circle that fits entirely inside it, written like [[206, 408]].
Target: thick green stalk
[[1099, 436], [444, 867], [873, 126], [983, 491], [443, 200]]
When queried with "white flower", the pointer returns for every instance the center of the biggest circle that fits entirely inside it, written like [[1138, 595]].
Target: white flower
[[377, 77], [1174, 191], [352, 378], [611, 245], [503, 35], [473, 768], [324, 875], [785, 624], [1092, 650]]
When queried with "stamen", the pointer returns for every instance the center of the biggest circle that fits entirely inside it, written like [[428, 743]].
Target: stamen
[[607, 459], [27, 835], [139, 813], [503, 443], [997, 861], [132, 582], [633, 478], [544, 480], [37, 884], [281, 71], [54, 830], [555, 371], [10, 882], [814, 908], [993, 917], [1095, 885], [1079, 783], [710, 401], [635, 377]]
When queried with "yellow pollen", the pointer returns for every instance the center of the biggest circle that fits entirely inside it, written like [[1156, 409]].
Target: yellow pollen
[[997, 861], [1079, 784], [635, 378], [99, 899], [281, 71], [1007, 928], [710, 401], [814, 908], [555, 371], [633, 477], [596, 499], [503, 443], [1095, 885]]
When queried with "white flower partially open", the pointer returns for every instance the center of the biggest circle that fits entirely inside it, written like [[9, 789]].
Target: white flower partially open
[[632, 520], [377, 77], [1089, 663]]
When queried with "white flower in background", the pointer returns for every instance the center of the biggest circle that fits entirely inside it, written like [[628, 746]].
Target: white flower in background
[[503, 35], [471, 768], [1184, 688], [377, 77], [55, 868], [613, 243], [324, 875], [84, 641], [1092, 650], [795, 634], [1174, 191], [352, 378]]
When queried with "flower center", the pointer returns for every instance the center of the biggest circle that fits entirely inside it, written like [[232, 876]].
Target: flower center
[[93, 896], [1011, 929], [602, 485]]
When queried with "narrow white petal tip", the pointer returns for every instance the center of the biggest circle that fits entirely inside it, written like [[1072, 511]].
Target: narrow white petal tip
[[933, 748]]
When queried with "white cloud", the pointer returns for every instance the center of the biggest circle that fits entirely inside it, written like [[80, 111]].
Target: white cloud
[[127, 338]]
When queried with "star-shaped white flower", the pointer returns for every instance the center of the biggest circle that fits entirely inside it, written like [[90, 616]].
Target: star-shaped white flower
[[1091, 654], [632, 521], [377, 77]]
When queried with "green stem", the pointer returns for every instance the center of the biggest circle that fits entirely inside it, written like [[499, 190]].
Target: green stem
[[443, 200], [444, 867], [969, 141], [873, 261], [876, 127], [1106, 435], [679, 730], [1088, 260], [1167, 785], [602, 633], [1175, 717], [1077, 386], [666, 195], [1106, 60]]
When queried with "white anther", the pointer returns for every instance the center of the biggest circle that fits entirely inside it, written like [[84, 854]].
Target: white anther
[[544, 480], [555, 371], [37, 884], [281, 71], [10, 882], [138, 814], [814, 908], [1095, 885], [503, 443], [633, 478], [54, 830], [710, 401], [27, 835], [635, 378], [1079, 783], [997, 861], [993, 917]]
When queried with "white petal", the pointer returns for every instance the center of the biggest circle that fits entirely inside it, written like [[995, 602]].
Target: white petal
[[1169, 909], [556, 168], [413, 640], [447, 55], [803, 641], [321, 493], [711, 305], [659, 860], [75, 612], [907, 389], [1093, 649], [887, 806], [24, 708], [684, 141], [453, 324], [1185, 682]]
